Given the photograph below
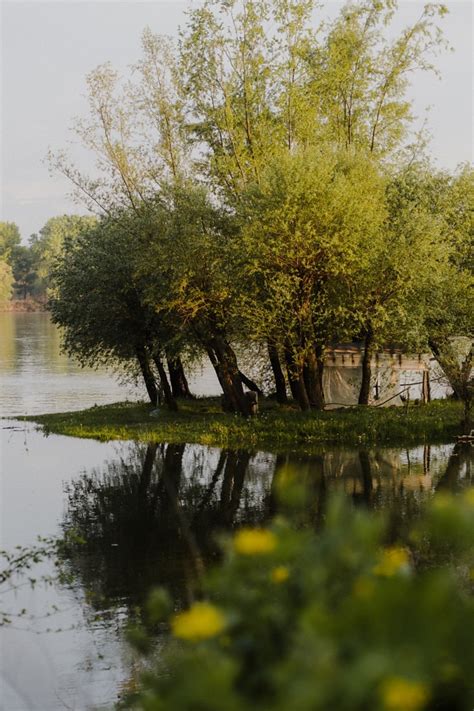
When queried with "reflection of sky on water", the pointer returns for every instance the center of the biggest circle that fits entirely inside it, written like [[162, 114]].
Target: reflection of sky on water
[[49, 671], [35, 377]]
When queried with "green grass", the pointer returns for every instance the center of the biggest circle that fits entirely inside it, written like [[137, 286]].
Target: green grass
[[276, 427]]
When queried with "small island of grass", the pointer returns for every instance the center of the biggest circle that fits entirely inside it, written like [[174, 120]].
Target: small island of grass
[[276, 427]]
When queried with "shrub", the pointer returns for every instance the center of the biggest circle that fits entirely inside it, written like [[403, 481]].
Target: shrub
[[334, 621]]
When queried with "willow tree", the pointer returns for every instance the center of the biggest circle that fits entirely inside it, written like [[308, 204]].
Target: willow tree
[[189, 269], [388, 294], [360, 77], [309, 229], [360, 73], [263, 84], [244, 90], [98, 302], [134, 130], [416, 290], [9, 239], [252, 84], [449, 299]]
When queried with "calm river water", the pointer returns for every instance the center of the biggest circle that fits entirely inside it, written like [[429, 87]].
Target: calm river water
[[143, 510]]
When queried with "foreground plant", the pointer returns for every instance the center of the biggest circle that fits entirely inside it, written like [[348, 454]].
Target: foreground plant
[[340, 620]]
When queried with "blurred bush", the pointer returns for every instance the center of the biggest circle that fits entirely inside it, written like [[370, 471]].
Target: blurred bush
[[333, 621]]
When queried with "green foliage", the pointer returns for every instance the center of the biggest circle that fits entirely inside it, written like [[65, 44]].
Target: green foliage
[[334, 620], [360, 74], [257, 189], [94, 297], [321, 213], [24, 271], [99, 299], [47, 246], [9, 239], [6, 280], [188, 264]]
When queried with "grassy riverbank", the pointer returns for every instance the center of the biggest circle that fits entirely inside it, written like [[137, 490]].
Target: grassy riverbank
[[276, 427]]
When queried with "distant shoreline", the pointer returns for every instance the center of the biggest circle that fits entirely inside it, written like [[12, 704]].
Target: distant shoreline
[[22, 306]]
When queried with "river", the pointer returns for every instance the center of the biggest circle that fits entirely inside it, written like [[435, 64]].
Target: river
[[128, 502]]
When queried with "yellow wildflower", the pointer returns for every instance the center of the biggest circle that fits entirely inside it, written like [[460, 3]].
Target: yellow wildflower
[[280, 574], [392, 561], [254, 541], [201, 621], [399, 694]]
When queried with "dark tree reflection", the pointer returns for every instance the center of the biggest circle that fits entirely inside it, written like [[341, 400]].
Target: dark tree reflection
[[152, 519], [459, 469], [154, 516]]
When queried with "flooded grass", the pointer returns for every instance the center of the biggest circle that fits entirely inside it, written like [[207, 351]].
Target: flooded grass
[[276, 427]]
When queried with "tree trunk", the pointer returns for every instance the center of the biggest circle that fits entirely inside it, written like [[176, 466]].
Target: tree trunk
[[147, 373], [208, 494], [426, 388], [232, 485], [165, 386], [364, 392], [467, 390], [459, 377], [147, 470], [290, 368], [170, 479], [224, 362], [178, 380], [313, 381], [278, 375], [296, 380], [250, 384]]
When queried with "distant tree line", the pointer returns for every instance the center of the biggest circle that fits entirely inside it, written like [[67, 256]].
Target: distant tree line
[[260, 182], [25, 269]]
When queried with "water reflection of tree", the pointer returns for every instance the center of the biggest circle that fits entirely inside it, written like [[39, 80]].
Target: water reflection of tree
[[145, 521], [154, 517], [378, 480], [458, 474]]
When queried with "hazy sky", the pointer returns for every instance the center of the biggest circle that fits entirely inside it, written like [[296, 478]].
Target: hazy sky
[[47, 48]]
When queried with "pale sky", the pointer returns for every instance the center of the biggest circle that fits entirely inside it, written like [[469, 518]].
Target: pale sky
[[48, 48]]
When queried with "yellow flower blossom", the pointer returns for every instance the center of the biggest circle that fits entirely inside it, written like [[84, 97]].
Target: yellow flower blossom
[[392, 561], [254, 541], [280, 574], [201, 621], [399, 694]]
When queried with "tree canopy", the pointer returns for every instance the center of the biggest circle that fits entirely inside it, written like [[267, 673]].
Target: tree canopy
[[261, 182]]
